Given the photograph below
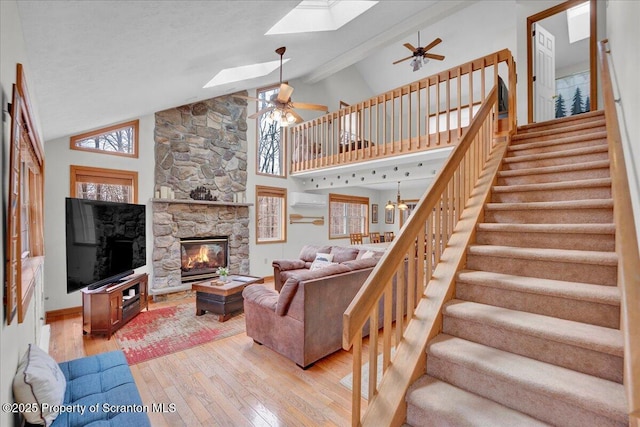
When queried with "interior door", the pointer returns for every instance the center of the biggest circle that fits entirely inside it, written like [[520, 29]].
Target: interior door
[[544, 84]]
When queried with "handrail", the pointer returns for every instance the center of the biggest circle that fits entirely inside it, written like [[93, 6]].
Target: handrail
[[409, 263], [626, 244], [424, 115]]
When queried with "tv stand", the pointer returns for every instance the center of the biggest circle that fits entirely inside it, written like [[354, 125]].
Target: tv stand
[[108, 308]]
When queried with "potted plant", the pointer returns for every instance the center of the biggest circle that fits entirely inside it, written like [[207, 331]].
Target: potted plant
[[223, 272]]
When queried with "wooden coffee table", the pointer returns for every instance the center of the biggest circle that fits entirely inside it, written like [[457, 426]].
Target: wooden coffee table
[[222, 299]]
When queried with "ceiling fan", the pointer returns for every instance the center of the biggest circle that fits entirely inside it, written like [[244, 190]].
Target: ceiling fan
[[420, 54], [281, 107]]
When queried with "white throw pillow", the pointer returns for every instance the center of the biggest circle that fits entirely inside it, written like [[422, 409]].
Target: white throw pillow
[[368, 254], [39, 380], [322, 260]]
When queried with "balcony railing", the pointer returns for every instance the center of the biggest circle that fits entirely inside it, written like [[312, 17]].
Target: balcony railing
[[424, 115]]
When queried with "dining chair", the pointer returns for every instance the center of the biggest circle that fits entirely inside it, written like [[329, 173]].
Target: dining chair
[[356, 238], [374, 237], [389, 236]]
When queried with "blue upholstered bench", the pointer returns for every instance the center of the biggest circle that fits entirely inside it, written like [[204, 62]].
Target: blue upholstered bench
[[102, 382]]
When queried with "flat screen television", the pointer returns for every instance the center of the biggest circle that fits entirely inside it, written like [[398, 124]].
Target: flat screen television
[[105, 242]]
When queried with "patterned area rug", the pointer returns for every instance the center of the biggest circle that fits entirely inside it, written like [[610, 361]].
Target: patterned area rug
[[167, 330]]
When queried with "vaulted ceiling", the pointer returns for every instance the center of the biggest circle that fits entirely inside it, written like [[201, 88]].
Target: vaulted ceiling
[[96, 62]]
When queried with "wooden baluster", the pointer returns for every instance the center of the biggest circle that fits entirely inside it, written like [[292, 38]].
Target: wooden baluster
[[418, 117], [357, 379], [425, 232], [438, 109], [373, 352], [459, 102], [448, 108], [428, 113], [401, 285], [387, 331]]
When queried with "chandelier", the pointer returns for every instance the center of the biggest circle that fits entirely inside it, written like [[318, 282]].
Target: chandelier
[[283, 117], [399, 203]]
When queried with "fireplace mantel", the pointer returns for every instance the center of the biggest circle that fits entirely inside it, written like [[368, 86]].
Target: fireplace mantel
[[200, 202]]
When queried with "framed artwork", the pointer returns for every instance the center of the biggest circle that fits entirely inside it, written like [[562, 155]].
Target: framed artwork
[[374, 213], [389, 216]]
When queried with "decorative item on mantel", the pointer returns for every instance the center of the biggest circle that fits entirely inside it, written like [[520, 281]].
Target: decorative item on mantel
[[165, 193], [201, 193]]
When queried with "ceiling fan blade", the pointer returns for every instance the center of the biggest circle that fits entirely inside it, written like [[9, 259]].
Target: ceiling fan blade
[[299, 119], [403, 59], [284, 94], [434, 56], [409, 46], [436, 42], [307, 106], [260, 112]]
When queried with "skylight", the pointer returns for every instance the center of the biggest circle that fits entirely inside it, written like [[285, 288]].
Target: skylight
[[320, 15], [578, 22], [245, 72]]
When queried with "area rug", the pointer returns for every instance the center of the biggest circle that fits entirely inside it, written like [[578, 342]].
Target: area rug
[[167, 330], [347, 381]]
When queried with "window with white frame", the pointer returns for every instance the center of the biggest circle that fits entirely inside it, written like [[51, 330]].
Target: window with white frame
[[348, 214], [271, 214]]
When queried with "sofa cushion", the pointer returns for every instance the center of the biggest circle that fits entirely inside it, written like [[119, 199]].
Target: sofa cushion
[[308, 252], [40, 384], [103, 381], [342, 254], [359, 264], [321, 261], [290, 287]]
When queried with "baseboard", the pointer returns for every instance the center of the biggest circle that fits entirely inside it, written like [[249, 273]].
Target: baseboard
[[52, 315]]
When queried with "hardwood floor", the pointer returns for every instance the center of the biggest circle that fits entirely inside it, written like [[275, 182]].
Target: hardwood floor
[[229, 382]]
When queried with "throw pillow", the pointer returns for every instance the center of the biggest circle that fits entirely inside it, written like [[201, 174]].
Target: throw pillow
[[368, 254], [322, 260], [39, 381]]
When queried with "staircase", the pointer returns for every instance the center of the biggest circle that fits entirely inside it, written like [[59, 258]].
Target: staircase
[[532, 336]]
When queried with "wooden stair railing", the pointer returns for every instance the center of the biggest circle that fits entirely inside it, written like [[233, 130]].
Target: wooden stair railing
[[417, 258], [626, 244], [428, 114]]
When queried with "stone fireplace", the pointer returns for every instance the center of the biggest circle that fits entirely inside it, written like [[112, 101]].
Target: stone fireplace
[[200, 145]]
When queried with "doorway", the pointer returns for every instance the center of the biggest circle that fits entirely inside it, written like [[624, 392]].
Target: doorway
[[561, 61]]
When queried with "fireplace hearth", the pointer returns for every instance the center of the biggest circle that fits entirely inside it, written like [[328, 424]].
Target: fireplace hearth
[[200, 257]]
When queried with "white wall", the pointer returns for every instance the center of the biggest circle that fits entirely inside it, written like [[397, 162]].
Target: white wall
[[623, 24], [14, 338], [59, 158]]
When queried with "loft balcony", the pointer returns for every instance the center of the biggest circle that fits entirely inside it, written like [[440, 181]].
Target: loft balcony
[[415, 120]]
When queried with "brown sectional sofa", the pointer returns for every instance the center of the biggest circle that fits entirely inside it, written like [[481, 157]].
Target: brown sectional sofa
[[302, 318]]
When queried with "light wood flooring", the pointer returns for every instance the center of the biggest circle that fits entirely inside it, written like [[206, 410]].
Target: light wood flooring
[[229, 382]]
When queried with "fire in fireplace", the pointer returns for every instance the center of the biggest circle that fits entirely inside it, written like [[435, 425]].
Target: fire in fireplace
[[201, 257]]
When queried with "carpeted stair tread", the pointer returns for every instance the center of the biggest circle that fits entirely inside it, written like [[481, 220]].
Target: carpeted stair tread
[[609, 295], [546, 254], [562, 123], [569, 204], [557, 154], [577, 334], [598, 164], [597, 135], [591, 394], [442, 404], [547, 186], [608, 229]]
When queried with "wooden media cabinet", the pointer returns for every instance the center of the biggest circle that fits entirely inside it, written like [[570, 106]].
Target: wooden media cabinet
[[106, 309]]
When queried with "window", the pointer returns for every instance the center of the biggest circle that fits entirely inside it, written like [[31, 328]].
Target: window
[[112, 185], [120, 140], [348, 214], [270, 158], [271, 212], [25, 230]]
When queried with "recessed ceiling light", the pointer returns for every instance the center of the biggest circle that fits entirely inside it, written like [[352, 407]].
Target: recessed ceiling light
[[320, 15], [244, 72]]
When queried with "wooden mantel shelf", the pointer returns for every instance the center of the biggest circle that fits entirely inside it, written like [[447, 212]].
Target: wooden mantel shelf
[[201, 202]]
